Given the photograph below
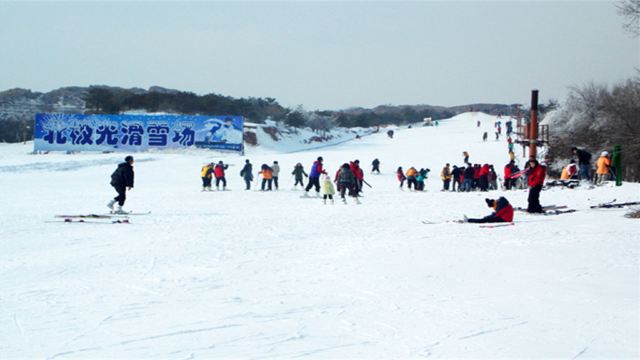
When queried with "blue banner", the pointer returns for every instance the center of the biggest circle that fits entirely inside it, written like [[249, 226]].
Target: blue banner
[[78, 132]]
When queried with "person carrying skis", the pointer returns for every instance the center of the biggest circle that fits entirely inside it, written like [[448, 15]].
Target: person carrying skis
[[122, 180], [314, 176], [603, 166], [375, 166], [503, 212], [219, 173], [247, 174], [584, 162], [206, 174], [445, 175], [298, 172], [346, 181], [536, 173], [412, 173], [267, 177], [276, 173], [400, 176], [327, 189]]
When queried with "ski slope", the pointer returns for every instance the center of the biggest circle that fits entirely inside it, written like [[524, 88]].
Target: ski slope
[[249, 274]]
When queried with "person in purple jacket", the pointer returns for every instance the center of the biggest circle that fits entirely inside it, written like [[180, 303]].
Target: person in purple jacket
[[314, 176]]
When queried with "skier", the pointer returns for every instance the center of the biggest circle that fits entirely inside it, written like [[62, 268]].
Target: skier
[[358, 173], [390, 134], [276, 173], [247, 174], [584, 162], [206, 174], [467, 185], [346, 181], [422, 174], [445, 175], [267, 177], [219, 172], [327, 189], [122, 180], [508, 171], [503, 212], [536, 180], [603, 166], [493, 178], [314, 176], [466, 157], [375, 166], [485, 136], [411, 178], [455, 175], [298, 171], [400, 176]]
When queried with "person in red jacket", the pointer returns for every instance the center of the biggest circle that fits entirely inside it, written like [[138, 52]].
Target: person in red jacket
[[358, 173], [219, 173], [537, 173], [484, 177], [508, 171], [503, 212]]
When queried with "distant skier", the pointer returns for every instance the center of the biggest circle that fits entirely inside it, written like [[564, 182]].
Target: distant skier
[[485, 136], [122, 180], [267, 177], [493, 178], [536, 174], [314, 176], [400, 175], [375, 166], [503, 212], [276, 173], [390, 134], [327, 189], [206, 174], [445, 176], [421, 178], [219, 172], [412, 173], [483, 182], [298, 172], [358, 173], [465, 155], [247, 174]]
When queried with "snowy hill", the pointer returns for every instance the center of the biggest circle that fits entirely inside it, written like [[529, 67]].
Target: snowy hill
[[250, 274]]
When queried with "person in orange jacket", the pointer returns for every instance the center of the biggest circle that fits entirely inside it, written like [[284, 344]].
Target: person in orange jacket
[[537, 174], [602, 168], [267, 176], [412, 173]]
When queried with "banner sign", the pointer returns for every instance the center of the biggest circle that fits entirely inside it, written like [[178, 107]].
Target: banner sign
[[78, 132]]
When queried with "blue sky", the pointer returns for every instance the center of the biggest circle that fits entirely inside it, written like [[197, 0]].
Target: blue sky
[[322, 55]]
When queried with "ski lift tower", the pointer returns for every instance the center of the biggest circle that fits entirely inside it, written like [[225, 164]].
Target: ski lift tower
[[530, 134]]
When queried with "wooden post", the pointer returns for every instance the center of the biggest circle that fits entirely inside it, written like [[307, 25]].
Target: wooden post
[[533, 125]]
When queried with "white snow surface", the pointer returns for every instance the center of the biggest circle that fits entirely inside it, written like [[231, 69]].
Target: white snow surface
[[249, 274]]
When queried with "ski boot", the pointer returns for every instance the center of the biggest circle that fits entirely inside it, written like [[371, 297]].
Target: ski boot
[[111, 204], [120, 211]]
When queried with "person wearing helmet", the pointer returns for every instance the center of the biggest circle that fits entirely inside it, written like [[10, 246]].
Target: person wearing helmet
[[602, 168]]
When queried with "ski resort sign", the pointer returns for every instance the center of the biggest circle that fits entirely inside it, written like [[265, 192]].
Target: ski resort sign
[[79, 132]]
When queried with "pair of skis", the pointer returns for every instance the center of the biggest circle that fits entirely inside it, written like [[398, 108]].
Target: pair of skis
[[111, 218], [482, 225]]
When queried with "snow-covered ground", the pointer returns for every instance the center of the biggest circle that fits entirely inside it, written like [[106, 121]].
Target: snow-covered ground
[[248, 274]]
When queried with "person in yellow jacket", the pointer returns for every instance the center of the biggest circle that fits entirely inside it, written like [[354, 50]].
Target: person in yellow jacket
[[206, 174], [445, 175], [327, 189], [411, 178], [602, 168]]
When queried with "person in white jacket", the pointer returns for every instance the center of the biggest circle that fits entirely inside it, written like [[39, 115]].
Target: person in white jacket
[[327, 189]]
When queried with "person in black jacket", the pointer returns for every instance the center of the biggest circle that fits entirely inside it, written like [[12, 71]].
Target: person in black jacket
[[584, 162], [247, 174], [122, 180]]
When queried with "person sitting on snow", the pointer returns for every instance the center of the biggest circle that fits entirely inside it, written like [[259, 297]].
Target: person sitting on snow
[[503, 212]]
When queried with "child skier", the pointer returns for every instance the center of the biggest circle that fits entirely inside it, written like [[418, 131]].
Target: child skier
[[206, 174], [400, 175], [327, 189], [375, 166], [298, 171], [219, 173]]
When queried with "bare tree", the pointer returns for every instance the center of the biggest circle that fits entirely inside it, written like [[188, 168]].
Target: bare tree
[[630, 9]]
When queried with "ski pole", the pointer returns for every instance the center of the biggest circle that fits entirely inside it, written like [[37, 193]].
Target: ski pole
[[364, 181]]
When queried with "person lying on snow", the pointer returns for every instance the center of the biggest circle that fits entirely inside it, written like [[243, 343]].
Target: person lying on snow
[[503, 212]]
